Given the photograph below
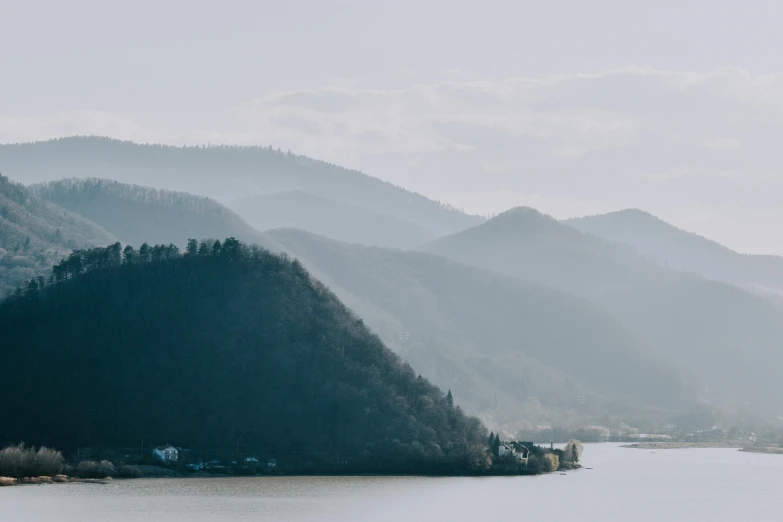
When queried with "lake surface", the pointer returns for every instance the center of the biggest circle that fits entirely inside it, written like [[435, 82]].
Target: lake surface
[[624, 485]]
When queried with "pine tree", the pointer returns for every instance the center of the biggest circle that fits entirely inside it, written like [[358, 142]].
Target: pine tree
[[192, 247], [128, 255], [450, 399]]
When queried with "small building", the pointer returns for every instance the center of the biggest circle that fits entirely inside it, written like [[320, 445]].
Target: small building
[[196, 466], [515, 449], [166, 453]]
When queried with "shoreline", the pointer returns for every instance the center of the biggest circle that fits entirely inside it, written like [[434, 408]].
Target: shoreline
[[45, 480], [766, 450], [683, 445]]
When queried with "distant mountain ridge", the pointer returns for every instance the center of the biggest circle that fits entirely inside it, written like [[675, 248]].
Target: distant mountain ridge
[[136, 214], [671, 246], [224, 173], [524, 243], [510, 348], [715, 330], [325, 217], [35, 234]]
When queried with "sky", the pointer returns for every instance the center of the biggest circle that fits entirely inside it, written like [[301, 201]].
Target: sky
[[571, 107]]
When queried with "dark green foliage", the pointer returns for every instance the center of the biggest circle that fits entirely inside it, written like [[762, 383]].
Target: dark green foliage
[[236, 351]]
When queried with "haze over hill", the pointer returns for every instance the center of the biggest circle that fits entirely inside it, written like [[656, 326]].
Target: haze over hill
[[676, 248], [497, 342], [302, 210], [717, 331], [137, 214], [224, 173], [34, 234], [228, 348], [519, 353]]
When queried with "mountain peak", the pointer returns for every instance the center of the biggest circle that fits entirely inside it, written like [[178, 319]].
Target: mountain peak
[[523, 220]]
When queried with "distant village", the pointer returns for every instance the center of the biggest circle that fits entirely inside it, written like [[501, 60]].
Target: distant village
[[173, 456]]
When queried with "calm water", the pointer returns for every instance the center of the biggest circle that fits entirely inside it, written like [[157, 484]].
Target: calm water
[[625, 485]]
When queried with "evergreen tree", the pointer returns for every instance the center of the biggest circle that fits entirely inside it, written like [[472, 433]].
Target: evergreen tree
[[128, 255], [450, 399], [144, 253], [192, 247]]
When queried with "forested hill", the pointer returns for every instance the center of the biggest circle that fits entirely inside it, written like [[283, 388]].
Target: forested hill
[[224, 348], [225, 173], [136, 214], [34, 234]]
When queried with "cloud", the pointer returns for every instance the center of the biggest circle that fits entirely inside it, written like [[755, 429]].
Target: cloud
[[637, 120]]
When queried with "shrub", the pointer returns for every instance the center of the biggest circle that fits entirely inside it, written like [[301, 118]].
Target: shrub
[[94, 469], [21, 461], [572, 451], [550, 463], [534, 465]]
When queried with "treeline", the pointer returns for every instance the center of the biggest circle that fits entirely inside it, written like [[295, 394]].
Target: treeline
[[135, 214], [223, 346], [199, 157], [68, 192], [227, 173]]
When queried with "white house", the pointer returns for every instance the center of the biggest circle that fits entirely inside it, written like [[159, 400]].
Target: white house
[[515, 449], [167, 453]]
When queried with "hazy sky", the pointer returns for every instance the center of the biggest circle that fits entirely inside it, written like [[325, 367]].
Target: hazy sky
[[571, 107]]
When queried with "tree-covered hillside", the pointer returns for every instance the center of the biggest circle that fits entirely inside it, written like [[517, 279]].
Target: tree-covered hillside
[[34, 234], [136, 214], [224, 173], [519, 354], [225, 348]]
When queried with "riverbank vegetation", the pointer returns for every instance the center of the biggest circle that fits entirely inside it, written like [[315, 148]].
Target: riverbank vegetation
[[21, 461]]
